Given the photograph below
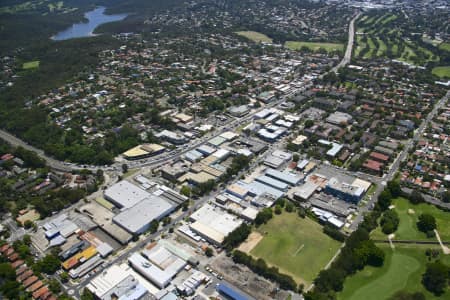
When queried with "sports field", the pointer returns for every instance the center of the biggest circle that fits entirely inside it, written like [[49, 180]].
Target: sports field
[[296, 246], [31, 65], [409, 214], [443, 72], [257, 37], [294, 45], [402, 270]]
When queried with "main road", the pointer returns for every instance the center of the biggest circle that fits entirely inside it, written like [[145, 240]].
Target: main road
[[67, 167], [348, 51]]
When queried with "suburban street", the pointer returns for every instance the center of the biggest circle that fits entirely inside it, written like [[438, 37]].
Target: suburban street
[[396, 164]]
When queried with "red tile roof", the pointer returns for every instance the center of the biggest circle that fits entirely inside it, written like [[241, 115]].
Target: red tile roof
[[373, 165], [379, 156]]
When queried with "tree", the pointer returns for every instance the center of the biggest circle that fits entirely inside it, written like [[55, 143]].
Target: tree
[[445, 197], [309, 123], [186, 191], [54, 286], [166, 221], [389, 221], [154, 225], [28, 224], [7, 272], [426, 223], [263, 216], [48, 265], [209, 252], [87, 295], [124, 168], [395, 188], [289, 207], [416, 197], [330, 279], [64, 277], [384, 200], [295, 157], [278, 209], [237, 236], [435, 278]]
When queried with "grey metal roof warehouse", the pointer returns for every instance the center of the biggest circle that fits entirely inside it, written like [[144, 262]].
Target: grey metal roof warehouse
[[125, 194], [137, 218], [283, 176]]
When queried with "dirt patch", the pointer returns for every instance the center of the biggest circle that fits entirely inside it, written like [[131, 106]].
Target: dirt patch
[[253, 239], [411, 211]]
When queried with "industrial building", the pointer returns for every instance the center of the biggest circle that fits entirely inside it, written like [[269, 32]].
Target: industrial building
[[136, 219], [125, 194], [344, 191], [157, 264], [305, 191], [115, 283], [257, 189], [283, 176], [213, 223], [279, 185], [230, 292]]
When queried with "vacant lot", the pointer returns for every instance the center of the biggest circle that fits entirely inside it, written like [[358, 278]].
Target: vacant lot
[[298, 247], [407, 229], [402, 270], [257, 37], [443, 72], [31, 65], [293, 45]]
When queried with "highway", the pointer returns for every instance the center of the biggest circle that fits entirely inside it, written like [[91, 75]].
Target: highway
[[348, 51], [51, 162]]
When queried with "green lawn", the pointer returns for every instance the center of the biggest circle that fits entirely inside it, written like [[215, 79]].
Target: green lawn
[[297, 246], [445, 46], [31, 65], [402, 270], [255, 36], [382, 48], [443, 72], [407, 229], [295, 45]]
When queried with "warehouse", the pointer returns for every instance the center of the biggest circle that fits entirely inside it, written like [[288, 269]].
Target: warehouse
[[305, 191], [283, 176], [272, 183], [257, 189], [213, 223], [136, 220], [125, 194], [157, 264], [115, 281]]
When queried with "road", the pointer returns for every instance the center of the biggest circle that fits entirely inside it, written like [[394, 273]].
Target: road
[[349, 50], [67, 167], [396, 164], [51, 162]]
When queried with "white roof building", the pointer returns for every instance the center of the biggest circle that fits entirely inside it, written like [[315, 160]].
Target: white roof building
[[125, 194], [137, 219], [213, 223]]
